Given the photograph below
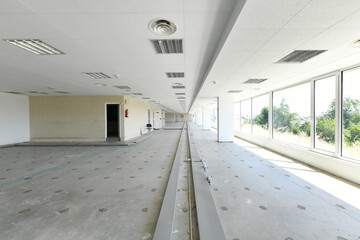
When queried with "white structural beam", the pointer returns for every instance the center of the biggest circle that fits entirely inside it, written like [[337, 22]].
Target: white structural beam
[[225, 119]]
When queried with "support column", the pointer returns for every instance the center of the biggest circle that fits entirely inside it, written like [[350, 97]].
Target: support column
[[225, 119], [206, 118]]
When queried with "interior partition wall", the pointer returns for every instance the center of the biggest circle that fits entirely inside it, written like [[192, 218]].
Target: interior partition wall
[[320, 114]]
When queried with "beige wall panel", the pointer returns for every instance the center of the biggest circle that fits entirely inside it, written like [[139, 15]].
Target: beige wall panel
[[69, 118]]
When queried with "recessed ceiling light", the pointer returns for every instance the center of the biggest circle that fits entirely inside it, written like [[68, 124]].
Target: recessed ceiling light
[[97, 75], [15, 92], [234, 91], [145, 98], [35, 46], [62, 92], [355, 44], [162, 27], [181, 98], [255, 80], [166, 46], [179, 84], [100, 84], [123, 87], [299, 56], [36, 92], [137, 94], [179, 93]]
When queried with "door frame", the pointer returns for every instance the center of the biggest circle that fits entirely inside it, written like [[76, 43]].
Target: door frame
[[113, 103]]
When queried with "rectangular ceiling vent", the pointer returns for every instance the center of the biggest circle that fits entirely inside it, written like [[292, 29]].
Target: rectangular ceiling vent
[[137, 94], [181, 98], [179, 93], [175, 74], [255, 80], [145, 98], [166, 46], [35, 46], [123, 87], [97, 75], [178, 87], [62, 92], [234, 91], [299, 56]]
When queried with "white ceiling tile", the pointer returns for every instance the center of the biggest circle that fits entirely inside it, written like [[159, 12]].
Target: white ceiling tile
[[14, 6], [78, 6], [120, 25], [156, 6], [259, 14], [290, 39], [34, 25], [208, 6], [316, 15], [204, 25], [82, 26]]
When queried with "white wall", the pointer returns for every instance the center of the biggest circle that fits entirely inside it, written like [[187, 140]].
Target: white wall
[[14, 119]]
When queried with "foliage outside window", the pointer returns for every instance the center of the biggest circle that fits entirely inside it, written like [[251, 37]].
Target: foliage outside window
[[325, 114], [291, 115], [261, 115], [246, 116], [351, 114]]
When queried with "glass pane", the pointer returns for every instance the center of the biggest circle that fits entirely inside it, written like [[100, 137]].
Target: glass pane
[[325, 114], [291, 115], [261, 115], [214, 117], [351, 114], [246, 116], [237, 118]]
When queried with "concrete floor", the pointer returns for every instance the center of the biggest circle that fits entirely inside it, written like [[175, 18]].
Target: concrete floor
[[261, 195], [84, 192], [109, 192]]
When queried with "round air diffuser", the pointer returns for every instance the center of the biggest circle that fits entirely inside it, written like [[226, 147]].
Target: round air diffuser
[[162, 27]]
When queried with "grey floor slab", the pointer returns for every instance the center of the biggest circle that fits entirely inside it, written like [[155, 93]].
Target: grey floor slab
[[84, 192], [261, 195]]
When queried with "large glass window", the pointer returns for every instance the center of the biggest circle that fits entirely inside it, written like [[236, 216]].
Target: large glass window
[[246, 116], [260, 112], [237, 118], [325, 114], [214, 117], [351, 114], [291, 115]]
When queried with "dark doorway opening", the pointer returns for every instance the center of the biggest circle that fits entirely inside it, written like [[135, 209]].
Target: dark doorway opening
[[112, 122]]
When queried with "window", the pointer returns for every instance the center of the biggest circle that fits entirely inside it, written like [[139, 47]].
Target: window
[[246, 116], [261, 115], [351, 114], [237, 118], [291, 115], [325, 114], [214, 117]]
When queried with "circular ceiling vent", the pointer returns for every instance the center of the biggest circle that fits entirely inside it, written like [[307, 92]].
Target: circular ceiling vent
[[162, 27]]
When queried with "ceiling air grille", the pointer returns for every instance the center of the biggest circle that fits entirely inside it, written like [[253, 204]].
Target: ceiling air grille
[[178, 87], [62, 92], [14, 92], [179, 93], [165, 46], [175, 74], [299, 56], [255, 80], [137, 94], [97, 75]]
